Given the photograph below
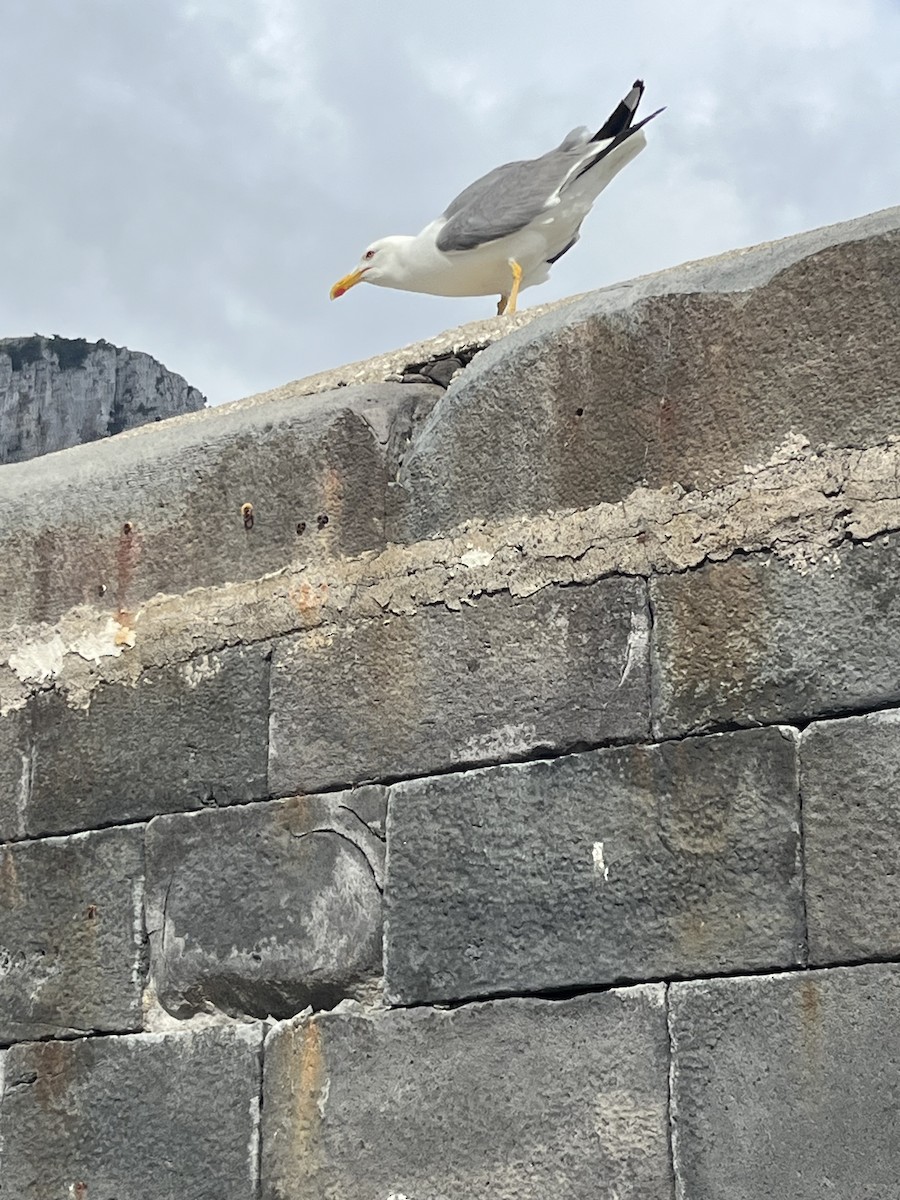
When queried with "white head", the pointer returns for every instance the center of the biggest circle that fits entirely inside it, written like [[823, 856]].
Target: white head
[[381, 263]]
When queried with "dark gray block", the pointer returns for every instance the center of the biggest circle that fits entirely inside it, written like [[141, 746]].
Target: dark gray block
[[146, 1117], [513, 1100], [496, 680], [266, 908], [15, 772], [788, 1086], [637, 862], [684, 376], [754, 639], [184, 736], [850, 783], [72, 954]]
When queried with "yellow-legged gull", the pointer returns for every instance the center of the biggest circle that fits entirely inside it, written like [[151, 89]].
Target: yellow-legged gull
[[506, 230]]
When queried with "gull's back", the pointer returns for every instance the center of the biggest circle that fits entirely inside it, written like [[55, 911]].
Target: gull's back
[[512, 196]]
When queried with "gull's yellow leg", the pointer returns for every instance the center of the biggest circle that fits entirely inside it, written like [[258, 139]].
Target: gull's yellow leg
[[501, 305], [514, 290]]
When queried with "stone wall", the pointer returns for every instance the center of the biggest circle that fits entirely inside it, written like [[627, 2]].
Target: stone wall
[[59, 392], [419, 794]]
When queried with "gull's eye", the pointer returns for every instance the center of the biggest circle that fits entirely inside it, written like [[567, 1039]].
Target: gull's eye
[[369, 254]]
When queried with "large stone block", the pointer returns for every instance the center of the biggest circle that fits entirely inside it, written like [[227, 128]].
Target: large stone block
[[850, 783], [637, 862], [184, 736], [266, 908], [15, 772], [683, 376], [788, 1085], [754, 639], [72, 956], [513, 1100], [145, 1117], [502, 678], [161, 508]]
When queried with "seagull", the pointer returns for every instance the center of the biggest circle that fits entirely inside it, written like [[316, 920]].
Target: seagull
[[506, 230]]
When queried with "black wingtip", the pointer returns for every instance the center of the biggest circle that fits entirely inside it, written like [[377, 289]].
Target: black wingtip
[[641, 124], [622, 115]]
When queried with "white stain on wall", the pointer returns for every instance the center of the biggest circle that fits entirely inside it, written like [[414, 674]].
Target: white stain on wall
[[601, 867], [638, 644]]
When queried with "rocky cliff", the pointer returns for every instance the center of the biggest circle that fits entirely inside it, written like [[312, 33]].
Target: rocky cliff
[[411, 793], [59, 392]]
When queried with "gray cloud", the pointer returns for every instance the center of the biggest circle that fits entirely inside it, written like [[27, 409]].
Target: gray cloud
[[189, 178]]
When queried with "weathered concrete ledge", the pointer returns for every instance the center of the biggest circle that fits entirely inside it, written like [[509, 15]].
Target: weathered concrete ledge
[[684, 377], [805, 508]]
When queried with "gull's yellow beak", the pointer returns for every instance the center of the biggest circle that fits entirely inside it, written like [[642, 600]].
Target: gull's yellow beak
[[345, 284]]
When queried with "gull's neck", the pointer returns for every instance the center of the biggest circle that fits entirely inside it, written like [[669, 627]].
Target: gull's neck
[[414, 262]]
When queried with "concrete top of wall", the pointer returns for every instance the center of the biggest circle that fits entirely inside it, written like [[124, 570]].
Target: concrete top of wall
[[628, 405]]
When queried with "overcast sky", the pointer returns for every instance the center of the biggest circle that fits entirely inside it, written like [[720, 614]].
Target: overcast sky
[[189, 178]]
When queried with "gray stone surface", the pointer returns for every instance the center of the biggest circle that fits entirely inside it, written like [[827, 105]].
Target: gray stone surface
[[637, 862], [266, 908], [183, 736], [58, 392], [145, 1117], [499, 679], [788, 1086], [735, 270], [685, 377], [72, 955], [513, 1100], [161, 508], [850, 782], [755, 639], [15, 772]]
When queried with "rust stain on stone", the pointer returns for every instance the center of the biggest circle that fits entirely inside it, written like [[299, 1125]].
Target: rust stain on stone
[[294, 814], [333, 487], [308, 1082], [811, 1023], [330, 517], [53, 1063], [810, 1002], [312, 1067], [309, 599], [128, 553], [811, 1018], [10, 896]]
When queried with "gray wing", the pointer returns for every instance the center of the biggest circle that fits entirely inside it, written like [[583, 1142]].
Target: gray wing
[[510, 197], [505, 200]]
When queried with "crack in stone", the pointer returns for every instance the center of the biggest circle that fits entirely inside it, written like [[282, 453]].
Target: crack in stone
[[377, 873], [346, 808]]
